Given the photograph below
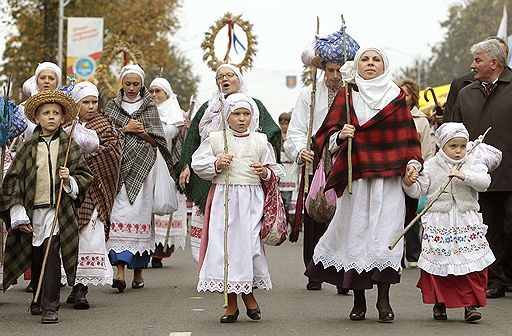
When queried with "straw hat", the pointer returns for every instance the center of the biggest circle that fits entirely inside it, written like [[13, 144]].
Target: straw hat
[[69, 108]]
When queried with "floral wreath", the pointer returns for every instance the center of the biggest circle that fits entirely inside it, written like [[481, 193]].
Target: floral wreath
[[111, 50], [209, 41]]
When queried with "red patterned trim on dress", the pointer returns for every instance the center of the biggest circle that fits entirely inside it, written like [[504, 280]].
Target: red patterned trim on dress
[[176, 224], [91, 261], [196, 232], [130, 228]]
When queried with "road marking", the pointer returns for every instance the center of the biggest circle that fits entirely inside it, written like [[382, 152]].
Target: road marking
[[197, 309], [196, 298], [180, 334]]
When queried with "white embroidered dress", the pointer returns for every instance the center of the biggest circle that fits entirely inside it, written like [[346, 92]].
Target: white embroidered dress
[[246, 255]]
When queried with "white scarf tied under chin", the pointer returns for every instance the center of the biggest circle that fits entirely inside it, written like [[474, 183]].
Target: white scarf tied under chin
[[241, 100], [377, 92], [169, 111], [84, 89]]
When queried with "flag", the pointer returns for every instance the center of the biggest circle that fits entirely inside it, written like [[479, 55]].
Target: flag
[[502, 30]]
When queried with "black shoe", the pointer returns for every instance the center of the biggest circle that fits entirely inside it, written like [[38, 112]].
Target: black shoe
[[254, 314], [49, 316], [29, 288], [357, 314], [119, 284], [471, 314], [71, 297], [508, 289], [494, 293], [230, 318], [80, 301], [156, 262], [342, 291], [137, 285], [439, 312], [35, 309], [314, 285]]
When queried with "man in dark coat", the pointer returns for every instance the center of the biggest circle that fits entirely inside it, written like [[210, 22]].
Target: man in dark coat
[[485, 103]]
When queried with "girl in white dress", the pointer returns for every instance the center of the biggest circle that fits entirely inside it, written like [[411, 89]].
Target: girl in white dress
[[249, 159], [455, 254]]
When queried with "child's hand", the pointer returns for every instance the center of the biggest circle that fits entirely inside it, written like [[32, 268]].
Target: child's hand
[[259, 169], [411, 176], [64, 175], [457, 174], [224, 161], [133, 126], [25, 228]]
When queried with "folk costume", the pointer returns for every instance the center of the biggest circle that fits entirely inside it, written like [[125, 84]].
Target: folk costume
[[131, 235], [246, 256], [29, 196], [172, 119], [455, 253], [94, 215], [199, 130], [353, 252]]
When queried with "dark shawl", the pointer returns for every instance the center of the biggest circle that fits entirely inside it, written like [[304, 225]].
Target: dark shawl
[[104, 164], [18, 188], [198, 188], [138, 156], [382, 147]]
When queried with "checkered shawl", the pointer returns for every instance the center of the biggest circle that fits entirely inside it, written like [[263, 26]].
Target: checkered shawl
[[104, 164], [381, 147], [18, 188], [138, 156], [198, 188]]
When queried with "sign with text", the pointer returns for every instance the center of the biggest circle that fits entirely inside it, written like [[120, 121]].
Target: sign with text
[[85, 44]]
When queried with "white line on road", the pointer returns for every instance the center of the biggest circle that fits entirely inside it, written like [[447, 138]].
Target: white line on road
[[180, 334]]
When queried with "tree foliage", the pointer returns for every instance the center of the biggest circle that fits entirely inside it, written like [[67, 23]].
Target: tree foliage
[[468, 22], [146, 25]]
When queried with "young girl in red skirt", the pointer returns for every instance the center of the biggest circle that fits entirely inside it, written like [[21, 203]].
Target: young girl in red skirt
[[455, 254]]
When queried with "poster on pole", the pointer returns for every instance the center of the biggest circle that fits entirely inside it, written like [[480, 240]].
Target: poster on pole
[[85, 44]]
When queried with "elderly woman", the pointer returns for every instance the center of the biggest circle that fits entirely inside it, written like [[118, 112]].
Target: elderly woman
[[135, 116], [207, 119], [353, 252], [94, 214], [172, 119]]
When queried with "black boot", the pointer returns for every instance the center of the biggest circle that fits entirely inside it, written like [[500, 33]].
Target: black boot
[[358, 312], [71, 296], [80, 301], [385, 311]]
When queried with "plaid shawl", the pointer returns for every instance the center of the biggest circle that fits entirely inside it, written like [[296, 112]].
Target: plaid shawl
[[198, 188], [380, 148], [138, 156], [18, 188], [104, 164]]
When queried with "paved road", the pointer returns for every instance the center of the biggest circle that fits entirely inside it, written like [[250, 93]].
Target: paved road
[[170, 305]]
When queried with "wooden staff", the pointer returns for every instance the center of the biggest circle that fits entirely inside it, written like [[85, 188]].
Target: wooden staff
[[168, 232], [311, 113], [441, 191], [347, 107], [226, 216], [54, 223]]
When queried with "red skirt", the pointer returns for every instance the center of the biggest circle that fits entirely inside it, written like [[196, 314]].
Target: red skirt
[[455, 291]]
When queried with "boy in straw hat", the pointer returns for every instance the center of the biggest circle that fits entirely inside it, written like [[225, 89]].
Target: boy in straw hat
[[29, 197]]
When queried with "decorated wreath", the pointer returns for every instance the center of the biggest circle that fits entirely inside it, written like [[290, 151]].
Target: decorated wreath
[[112, 50], [230, 21]]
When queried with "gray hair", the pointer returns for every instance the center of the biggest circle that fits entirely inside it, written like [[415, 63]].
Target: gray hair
[[492, 49]]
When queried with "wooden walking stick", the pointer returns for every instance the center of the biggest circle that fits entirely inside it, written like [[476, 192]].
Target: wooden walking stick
[[226, 217], [441, 191], [54, 223], [347, 107], [311, 113]]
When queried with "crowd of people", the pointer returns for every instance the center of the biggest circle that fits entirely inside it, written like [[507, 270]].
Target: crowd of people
[[93, 187]]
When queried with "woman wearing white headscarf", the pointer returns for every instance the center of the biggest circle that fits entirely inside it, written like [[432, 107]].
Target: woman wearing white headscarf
[[135, 117], [172, 119], [229, 80], [353, 253]]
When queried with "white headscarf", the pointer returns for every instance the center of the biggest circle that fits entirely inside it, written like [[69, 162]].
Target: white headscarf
[[377, 92], [169, 111], [241, 100], [211, 120], [84, 89], [450, 130], [30, 85], [132, 68]]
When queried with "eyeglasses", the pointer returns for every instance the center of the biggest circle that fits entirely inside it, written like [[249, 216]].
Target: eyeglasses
[[229, 75], [155, 91]]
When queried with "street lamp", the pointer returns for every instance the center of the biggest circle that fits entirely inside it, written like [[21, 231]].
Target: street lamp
[[62, 4]]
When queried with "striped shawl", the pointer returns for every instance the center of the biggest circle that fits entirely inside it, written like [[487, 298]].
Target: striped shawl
[[198, 188], [104, 164], [138, 156], [18, 188], [381, 147]]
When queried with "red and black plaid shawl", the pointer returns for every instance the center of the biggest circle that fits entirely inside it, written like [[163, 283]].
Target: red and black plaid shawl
[[104, 164], [380, 148]]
